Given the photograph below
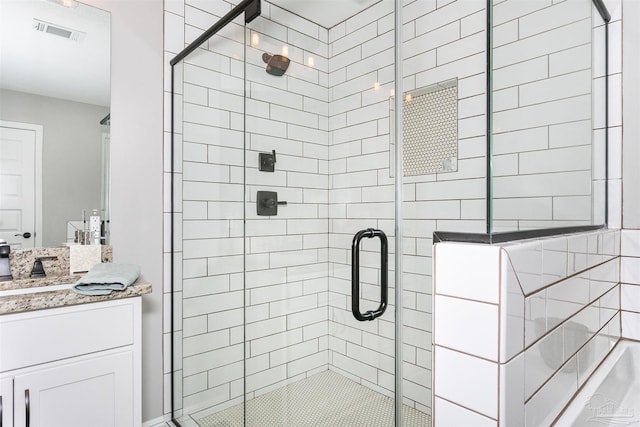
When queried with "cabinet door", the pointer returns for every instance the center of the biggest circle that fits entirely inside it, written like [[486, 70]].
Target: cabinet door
[[92, 392], [6, 402]]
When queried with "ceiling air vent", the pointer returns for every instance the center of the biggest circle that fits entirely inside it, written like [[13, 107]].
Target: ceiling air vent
[[57, 30]]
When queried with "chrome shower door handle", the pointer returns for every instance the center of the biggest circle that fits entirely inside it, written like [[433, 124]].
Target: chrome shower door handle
[[355, 274]]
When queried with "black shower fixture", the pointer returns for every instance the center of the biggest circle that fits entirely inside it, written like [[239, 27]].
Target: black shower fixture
[[276, 64]]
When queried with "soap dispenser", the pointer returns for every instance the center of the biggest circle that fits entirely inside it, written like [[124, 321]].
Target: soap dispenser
[[5, 268]]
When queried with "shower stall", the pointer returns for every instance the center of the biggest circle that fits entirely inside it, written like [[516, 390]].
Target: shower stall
[[317, 147]]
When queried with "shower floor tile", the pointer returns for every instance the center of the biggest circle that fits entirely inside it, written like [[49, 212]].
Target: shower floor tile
[[327, 399]]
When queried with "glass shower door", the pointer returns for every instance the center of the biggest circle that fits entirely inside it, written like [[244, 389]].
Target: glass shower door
[[316, 176], [285, 225]]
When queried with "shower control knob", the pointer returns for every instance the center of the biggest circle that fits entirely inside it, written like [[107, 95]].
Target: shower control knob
[[267, 161]]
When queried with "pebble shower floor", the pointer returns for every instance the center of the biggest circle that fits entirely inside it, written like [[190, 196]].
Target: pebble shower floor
[[327, 399]]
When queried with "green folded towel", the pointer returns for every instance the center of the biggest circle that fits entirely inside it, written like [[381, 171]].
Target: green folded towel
[[105, 278]]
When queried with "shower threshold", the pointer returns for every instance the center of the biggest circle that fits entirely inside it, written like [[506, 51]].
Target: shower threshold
[[327, 399]]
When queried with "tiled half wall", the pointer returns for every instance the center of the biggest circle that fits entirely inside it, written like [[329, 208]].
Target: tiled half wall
[[519, 327], [630, 287]]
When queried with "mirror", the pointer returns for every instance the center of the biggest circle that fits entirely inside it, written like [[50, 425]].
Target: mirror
[[54, 97]]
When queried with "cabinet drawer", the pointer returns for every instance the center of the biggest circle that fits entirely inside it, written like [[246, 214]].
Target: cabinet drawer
[[44, 336]]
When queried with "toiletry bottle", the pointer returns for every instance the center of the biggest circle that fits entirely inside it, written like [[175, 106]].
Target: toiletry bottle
[[95, 226]]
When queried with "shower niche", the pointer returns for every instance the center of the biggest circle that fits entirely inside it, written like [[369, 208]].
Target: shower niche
[[430, 129]]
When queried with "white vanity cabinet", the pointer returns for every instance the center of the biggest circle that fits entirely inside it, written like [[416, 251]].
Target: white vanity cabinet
[[72, 366]]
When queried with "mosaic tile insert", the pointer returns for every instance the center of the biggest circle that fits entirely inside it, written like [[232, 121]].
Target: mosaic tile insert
[[430, 129]]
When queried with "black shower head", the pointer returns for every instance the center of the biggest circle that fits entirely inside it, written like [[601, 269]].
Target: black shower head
[[276, 64]]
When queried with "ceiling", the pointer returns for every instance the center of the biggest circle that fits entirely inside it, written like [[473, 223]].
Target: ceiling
[[50, 65], [326, 13]]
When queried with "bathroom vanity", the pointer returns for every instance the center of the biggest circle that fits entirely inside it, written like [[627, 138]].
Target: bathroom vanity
[[70, 360]]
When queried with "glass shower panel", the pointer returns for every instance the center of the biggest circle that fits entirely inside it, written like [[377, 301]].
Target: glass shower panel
[[286, 239], [208, 263], [318, 115], [548, 164], [444, 117], [600, 119]]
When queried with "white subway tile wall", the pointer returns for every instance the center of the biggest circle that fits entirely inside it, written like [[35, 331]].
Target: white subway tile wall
[[548, 104], [630, 290], [553, 332]]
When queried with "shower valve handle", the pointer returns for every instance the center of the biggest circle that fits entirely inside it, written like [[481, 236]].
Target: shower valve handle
[[268, 203]]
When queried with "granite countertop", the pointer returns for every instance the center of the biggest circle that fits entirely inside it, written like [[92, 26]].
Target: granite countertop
[[59, 298]]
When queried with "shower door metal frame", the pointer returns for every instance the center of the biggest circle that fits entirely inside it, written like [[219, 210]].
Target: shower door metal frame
[[397, 180], [251, 9]]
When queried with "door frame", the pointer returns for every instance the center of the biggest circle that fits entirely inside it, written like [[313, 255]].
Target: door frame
[[38, 130]]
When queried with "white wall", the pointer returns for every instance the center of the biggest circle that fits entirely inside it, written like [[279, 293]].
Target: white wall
[[136, 168]]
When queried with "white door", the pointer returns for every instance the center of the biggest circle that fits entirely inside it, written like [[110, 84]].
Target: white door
[[21, 184], [95, 392]]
